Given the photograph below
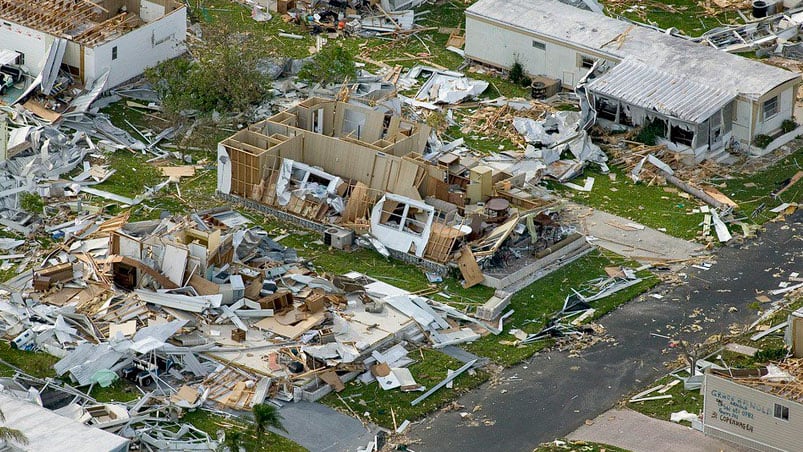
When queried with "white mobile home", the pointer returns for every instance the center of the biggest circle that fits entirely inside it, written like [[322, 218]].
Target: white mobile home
[[89, 38], [753, 412], [702, 97]]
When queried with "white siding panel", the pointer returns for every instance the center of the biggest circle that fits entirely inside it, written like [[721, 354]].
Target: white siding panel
[[32, 43]]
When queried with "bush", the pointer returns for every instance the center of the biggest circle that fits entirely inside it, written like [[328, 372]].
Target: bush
[[333, 64], [650, 133], [526, 81], [516, 74], [788, 125], [223, 78], [31, 202], [770, 354], [762, 141]]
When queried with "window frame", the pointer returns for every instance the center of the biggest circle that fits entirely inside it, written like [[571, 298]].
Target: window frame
[[114, 53], [781, 412], [777, 107], [539, 45]]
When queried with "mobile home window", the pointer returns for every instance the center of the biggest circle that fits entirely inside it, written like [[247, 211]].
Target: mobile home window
[[586, 62], [20, 58], [781, 412], [771, 107], [539, 45], [114, 53]]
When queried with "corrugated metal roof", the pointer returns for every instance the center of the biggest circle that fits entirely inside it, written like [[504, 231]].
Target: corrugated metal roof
[[585, 29], [641, 85], [47, 431]]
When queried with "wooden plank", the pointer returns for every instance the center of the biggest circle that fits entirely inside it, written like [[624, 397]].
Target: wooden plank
[[469, 268], [330, 377]]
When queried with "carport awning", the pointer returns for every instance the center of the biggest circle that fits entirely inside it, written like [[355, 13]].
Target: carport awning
[[8, 56], [672, 95]]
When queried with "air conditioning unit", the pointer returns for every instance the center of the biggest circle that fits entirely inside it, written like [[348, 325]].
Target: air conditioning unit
[[339, 238]]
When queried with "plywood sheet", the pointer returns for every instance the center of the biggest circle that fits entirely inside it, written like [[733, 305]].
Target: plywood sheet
[[469, 268]]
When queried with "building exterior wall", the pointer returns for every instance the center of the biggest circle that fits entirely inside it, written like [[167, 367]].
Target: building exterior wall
[[746, 416], [140, 49], [558, 60], [33, 44], [786, 105]]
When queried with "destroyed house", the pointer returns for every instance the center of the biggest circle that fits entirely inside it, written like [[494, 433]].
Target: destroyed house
[[698, 97], [349, 170], [87, 39]]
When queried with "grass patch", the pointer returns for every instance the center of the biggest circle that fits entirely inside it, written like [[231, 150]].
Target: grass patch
[[309, 245], [691, 401], [211, 423], [685, 15], [645, 204], [119, 391], [37, 364], [536, 303], [563, 445], [754, 190], [430, 369], [238, 19]]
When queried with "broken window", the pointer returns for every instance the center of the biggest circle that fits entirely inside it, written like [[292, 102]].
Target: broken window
[[770, 108], [392, 214], [781, 412], [586, 62], [20, 58], [607, 108], [625, 117], [114, 53], [539, 45], [680, 135]]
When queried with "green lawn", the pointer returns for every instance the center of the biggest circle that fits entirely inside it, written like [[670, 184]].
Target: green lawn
[[577, 446], [649, 205], [536, 303], [431, 367], [685, 15], [751, 191], [211, 423], [331, 261], [691, 401]]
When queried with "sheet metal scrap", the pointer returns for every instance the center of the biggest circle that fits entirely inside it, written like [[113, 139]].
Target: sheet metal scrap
[[577, 304]]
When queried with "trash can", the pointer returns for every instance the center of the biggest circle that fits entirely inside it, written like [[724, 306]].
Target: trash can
[[538, 90], [760, 9]]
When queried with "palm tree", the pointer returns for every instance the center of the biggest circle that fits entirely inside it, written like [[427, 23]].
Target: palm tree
[[266, 416], [234, 439], [11, 434]]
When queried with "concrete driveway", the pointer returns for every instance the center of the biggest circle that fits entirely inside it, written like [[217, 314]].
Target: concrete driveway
[[636, 432]]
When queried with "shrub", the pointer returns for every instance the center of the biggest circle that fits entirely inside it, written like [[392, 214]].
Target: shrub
[[788, 125], [516, 74], [333, 64], [770, 354], [222, 78], [650, 133], [762, 141]]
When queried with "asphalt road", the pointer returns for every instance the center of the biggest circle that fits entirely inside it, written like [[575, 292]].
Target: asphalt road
[[553, 394]]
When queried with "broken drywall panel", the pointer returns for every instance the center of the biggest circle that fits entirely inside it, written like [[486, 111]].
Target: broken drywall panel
[[223, 170], [174, 263]]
